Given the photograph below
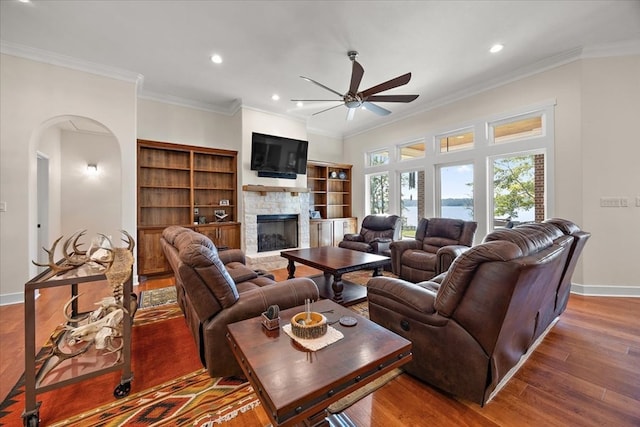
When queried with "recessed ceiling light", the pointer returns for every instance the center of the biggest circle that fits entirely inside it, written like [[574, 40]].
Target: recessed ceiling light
[[300, 104], [496, 48], [216, 59], [24, 1], [275, 97]]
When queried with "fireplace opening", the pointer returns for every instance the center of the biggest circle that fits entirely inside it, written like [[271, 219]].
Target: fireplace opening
[[277, 232]]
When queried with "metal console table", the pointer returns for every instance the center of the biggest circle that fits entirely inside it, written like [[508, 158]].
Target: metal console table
[[44, 373]]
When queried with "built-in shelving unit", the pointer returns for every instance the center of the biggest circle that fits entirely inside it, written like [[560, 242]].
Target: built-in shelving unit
[[184, 185], [330, 195]]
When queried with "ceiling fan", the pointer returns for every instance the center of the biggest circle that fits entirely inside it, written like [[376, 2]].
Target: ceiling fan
[[354, 99]]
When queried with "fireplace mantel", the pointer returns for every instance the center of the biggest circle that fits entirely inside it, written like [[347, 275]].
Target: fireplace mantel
[[264, 189]]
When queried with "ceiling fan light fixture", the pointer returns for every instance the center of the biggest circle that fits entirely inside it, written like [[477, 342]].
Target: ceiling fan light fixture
[[275, 97], [300, 104], [496, 48]]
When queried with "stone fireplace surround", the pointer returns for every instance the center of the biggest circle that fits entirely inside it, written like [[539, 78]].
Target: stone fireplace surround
[[259, 200]]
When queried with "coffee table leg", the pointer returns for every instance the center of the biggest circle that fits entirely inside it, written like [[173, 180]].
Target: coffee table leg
[[291, 268], [376, 272], [337, 287]]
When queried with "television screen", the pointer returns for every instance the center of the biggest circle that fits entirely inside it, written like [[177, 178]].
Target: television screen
[[278, 154]]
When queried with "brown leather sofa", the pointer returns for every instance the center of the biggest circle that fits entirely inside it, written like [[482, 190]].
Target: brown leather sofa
[[217, 288], [438, 241], [471, 325], [376, 233]]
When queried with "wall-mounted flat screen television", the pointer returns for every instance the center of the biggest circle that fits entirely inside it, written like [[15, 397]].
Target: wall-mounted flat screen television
[[278, 155]]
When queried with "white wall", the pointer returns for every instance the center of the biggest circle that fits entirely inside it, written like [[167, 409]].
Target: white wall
[[33, 96], [159, 121], [610, 166], [90, 203], [596, 152]]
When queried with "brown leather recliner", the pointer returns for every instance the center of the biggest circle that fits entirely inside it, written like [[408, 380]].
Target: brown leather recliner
[[438, 241], [217, 288], [472, 325], [377, 232]]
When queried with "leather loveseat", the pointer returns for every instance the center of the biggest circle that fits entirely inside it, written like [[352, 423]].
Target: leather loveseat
[[471, 325], [217, 288]]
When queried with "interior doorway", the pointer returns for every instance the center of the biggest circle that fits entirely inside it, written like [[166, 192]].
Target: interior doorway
[[43, 207]]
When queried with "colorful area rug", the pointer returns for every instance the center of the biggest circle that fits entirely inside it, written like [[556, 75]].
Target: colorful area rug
[[158, 297]]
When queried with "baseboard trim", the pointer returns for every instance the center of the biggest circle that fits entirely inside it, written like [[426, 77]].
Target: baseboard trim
[[606, 291]]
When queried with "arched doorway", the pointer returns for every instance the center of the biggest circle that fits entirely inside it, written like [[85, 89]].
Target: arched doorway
[[77, 198]]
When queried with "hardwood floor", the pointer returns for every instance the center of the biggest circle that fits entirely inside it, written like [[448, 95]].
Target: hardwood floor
[[585, 372]]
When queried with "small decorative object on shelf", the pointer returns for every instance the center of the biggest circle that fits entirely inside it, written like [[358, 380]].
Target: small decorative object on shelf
[[220, 215], [333, 174], [224, 202], [342, 175]]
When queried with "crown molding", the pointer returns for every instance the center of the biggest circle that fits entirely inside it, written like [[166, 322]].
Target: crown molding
[[51, 58], [190, 103], [623, 48]]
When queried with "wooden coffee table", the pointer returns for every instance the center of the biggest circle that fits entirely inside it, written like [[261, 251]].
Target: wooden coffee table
[[335, 262], [296, 385]]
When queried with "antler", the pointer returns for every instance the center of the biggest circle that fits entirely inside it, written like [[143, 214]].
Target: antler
[[78, 257], [129, 240], [57, 269]]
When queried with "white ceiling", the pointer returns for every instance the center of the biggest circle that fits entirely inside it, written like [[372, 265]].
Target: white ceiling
[[267, 45]]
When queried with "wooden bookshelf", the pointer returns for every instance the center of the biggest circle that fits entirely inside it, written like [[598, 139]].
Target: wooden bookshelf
[[184, 185], [329, 186]]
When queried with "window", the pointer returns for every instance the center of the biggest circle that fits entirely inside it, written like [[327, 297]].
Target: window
[[518, 189], [456, 192], [378, 193], [495, 170], [376, 158], [460, 140], [515, 129], [412, 151], [411, 200]]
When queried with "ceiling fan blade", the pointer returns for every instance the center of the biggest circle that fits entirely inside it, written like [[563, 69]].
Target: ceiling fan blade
[[389, 84], [316, 100], [356, 77], [321, 85], [391, 98], [350, 113], [327, 109], [376, 109]]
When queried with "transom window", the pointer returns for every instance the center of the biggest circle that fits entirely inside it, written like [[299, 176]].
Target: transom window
[[516, 129], [460, 140], [412, 151], [376, 158]]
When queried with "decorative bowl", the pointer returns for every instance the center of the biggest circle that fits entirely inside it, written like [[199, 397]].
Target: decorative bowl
[[309, 329]]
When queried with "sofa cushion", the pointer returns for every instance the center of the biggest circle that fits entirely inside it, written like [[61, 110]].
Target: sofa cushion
[[418, 259], [464, 267]]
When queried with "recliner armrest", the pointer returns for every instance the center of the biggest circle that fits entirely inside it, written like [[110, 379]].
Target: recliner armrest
[[397, 247], [380, 244], [286, 294], [446, 255], [232, 255], [353, 237], [400, 293]]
